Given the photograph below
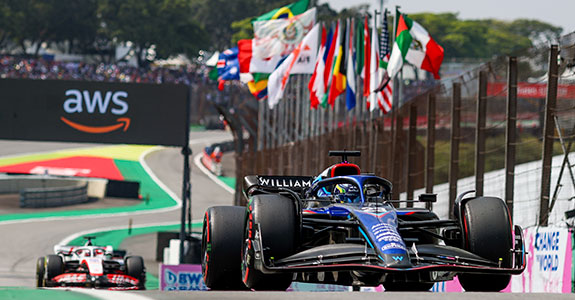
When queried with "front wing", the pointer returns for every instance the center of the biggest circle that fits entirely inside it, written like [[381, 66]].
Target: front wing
[[424, 258], [109, 281]]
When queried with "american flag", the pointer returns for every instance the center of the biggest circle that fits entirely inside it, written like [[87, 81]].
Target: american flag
[[384, 49], [384, 53]]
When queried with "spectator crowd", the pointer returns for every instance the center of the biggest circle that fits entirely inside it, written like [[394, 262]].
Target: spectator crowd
[[39, 68]]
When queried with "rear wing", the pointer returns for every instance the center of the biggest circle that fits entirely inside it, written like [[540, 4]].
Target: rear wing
[[296, 184]]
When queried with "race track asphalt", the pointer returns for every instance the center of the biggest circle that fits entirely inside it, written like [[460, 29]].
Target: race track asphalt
[[25, 241]]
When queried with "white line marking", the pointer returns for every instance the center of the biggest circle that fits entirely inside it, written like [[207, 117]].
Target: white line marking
[[110, 215], [111, 295], [132, 213], [214, 178]]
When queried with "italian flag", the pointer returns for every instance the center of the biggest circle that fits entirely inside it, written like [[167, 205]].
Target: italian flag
[[427, 54]]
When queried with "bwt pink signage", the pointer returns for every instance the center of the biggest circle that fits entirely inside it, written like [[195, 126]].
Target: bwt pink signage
[[548, 264]]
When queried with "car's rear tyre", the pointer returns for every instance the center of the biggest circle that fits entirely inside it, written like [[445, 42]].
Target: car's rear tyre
[[54, 267], [408, 286], [40, 271], [488, 233], [221, 247], [135, 268], [276, 216]]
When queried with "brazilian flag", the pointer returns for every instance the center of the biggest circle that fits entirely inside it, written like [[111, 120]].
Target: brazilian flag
[[287, 11]]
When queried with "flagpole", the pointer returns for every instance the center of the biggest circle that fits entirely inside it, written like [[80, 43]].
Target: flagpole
[[260, 139]]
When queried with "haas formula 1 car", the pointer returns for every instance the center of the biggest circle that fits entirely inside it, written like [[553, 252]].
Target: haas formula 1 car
[[90, 266], [341, 227]]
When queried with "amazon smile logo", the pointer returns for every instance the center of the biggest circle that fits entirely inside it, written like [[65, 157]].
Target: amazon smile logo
[[83, 101]]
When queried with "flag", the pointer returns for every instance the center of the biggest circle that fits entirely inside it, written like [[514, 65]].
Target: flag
[[350, 75], [365, 73], [315, 86], [384, 38], [359, 51], [338, 78], [374, 70], [228, 65], [249, 63], [258, 89], [328, 58], [281, 36], [287, 11], [279, 77], [427, 56], [386, 82]]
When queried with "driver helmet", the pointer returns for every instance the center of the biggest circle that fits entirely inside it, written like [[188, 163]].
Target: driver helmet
[[347, 193]]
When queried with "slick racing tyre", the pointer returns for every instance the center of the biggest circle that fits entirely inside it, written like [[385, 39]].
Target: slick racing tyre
[[276, 216], [54, 267], [221, 247], [488, 233], [135, 268], [40, 271]]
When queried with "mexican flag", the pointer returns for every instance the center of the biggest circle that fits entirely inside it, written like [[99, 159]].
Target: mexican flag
[[414, 44]]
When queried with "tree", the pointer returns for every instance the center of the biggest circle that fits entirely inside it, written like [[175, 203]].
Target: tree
[[166, 24], [484, 38]]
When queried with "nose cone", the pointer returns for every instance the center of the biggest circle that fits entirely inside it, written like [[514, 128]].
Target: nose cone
[[95, 266]]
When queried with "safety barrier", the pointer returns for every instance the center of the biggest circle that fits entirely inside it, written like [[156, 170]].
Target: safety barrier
[[54, 196], [50, 191]]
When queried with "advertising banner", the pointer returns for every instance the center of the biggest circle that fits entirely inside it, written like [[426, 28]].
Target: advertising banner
[[181, 278], [95, 112], [530, 90], [548, 263], [548, 267]]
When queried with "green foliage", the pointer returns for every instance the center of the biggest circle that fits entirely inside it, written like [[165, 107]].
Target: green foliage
[[167, 24], [529, 149], [242, 29], [484, 38], [217, 17], [185, 26]]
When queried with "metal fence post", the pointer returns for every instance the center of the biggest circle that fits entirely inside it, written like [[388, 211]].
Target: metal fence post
[[430, 148], [396, 165], [480, 133], [548, 133], [411, 153], [511, 133], [454, 152]]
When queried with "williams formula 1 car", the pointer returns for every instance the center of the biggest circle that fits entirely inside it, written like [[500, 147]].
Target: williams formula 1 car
[[90, 266], [341, 227]]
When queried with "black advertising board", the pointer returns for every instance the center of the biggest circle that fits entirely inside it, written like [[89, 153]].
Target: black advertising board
[[95, 112]]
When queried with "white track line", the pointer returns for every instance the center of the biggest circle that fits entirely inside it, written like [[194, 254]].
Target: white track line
[[214, 178], [111, 295], [150, 173], [110, 215]]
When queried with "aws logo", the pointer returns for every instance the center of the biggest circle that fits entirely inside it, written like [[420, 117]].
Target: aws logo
[[83, 101]]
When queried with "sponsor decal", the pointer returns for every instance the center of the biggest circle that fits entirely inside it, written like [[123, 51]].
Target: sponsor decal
[[386, 233], [285, 181], [71, 278], [397, 258], [394, 246], [60, 171], [121, 279], [181, 277], [110, 102]]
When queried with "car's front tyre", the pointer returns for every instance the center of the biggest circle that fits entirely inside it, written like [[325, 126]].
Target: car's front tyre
[[487, 232], [276, 216], [221, 247], [40, 271]]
